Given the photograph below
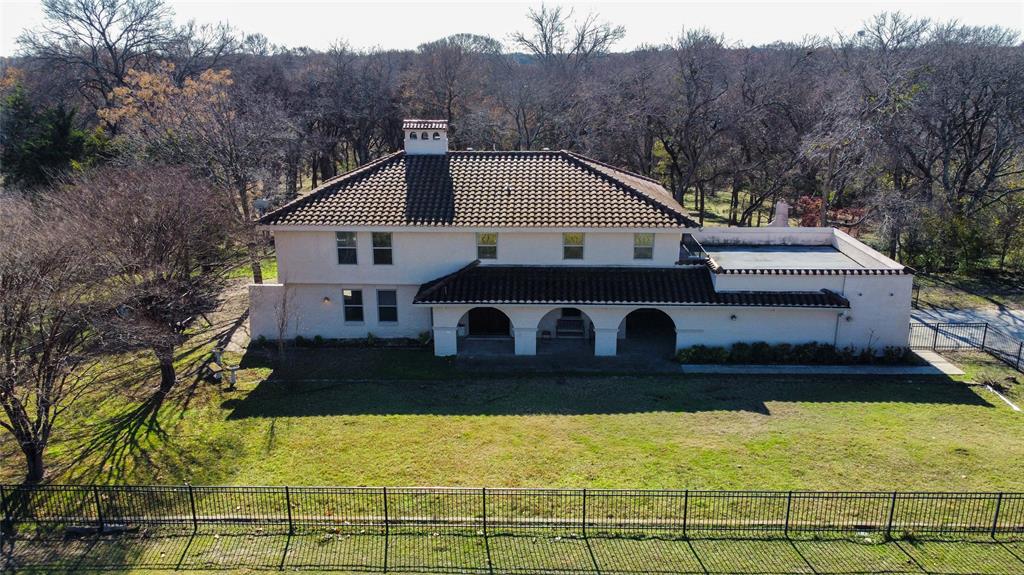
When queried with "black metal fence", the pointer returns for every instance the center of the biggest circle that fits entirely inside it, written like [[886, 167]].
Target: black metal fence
[[570, 511], [969, 336]]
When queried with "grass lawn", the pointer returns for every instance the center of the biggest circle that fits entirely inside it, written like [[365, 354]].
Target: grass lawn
[[403, 417], [990, 289], [268, 266]]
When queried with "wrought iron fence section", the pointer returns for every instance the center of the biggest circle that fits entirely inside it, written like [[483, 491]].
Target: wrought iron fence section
[[479, 510], [969, 336]]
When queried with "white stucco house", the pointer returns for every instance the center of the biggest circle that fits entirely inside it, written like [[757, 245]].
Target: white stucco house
[[534, 251]]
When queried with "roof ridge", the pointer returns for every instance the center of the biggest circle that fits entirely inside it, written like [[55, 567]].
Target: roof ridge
[[613, 167], [329, 183], [436, 284], [582, 162]]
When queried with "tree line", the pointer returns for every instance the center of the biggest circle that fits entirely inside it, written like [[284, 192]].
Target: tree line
[[135, 153]]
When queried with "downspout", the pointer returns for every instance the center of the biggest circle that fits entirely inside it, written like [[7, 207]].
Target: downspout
[[835, 333]]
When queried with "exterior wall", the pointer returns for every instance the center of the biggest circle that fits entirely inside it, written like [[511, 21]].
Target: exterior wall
[[307, 265], [879, 313], [308, 315], [765, 282], [781, 236], [311, 256]]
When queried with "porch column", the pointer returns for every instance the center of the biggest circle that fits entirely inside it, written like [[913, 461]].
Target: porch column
[[606, 341], [445, 341], [526, 340]]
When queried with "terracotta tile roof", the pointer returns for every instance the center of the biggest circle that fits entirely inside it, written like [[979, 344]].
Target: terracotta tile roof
[[424, 124], [682, 285], [486, 189]]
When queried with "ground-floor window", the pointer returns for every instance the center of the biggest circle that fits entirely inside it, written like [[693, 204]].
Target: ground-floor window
[[353, 306], [387, 306]]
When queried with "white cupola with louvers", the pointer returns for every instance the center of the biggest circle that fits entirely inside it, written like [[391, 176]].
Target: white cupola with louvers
[[425, 137]]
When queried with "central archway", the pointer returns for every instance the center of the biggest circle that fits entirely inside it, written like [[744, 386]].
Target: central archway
[[565, 331], [647, 331]]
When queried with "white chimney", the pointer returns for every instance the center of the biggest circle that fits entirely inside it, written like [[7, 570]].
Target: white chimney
[[425, 137], [781, 215]]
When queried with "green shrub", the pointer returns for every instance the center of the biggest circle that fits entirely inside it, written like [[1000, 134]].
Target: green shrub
[[740, 353], [301, 341], [318, 341], [788, 354], [371, 339], [425, 337], [761, 352], [703, 354]]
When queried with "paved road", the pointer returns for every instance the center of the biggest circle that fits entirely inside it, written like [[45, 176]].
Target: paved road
[[1009, 320]]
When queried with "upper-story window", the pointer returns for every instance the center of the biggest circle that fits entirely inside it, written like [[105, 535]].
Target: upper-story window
[[487, 246], [346, 248], [382, 248], [572, 245], [643, 246]]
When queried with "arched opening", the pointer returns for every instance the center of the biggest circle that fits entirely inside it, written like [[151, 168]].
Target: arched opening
[[412, 135], [424, 136], [486, 322], [647, 331], [437, 136], [565, 331], [485, 331]]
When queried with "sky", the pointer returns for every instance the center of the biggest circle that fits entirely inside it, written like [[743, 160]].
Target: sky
[[406, 24]]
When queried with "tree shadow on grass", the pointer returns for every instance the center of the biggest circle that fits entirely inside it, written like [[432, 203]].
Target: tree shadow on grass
[[117, 444], [583, 395]]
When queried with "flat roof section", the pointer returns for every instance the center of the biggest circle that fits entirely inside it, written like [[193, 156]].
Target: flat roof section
[[781, 257]]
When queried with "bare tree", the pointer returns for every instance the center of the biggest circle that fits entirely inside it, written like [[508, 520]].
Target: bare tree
[[99, 41], [231, 136], [48, 304], [163, 245]]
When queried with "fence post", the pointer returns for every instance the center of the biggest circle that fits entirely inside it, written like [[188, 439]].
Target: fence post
[[99, 506], [686, 510], [1020, 350], [584, 512], [387, 522], [483, 491], [192, 504], [288, 505], [789, 504], [892, 512], [984, 337], [995, 520], [5, 512], [935, 338]]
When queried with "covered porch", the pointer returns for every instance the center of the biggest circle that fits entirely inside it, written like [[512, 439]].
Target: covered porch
[[587, 311]]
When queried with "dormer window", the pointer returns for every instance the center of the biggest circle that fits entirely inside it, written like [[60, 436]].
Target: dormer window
[[412, 136]]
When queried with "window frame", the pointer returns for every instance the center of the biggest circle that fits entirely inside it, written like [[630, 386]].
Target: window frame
[[390, 306], [481, 245], [345, 305], [354, 248], [649, 248], [567, 246], [389, 248]]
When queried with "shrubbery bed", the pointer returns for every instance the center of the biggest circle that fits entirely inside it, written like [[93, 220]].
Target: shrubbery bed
[[799, 354]]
